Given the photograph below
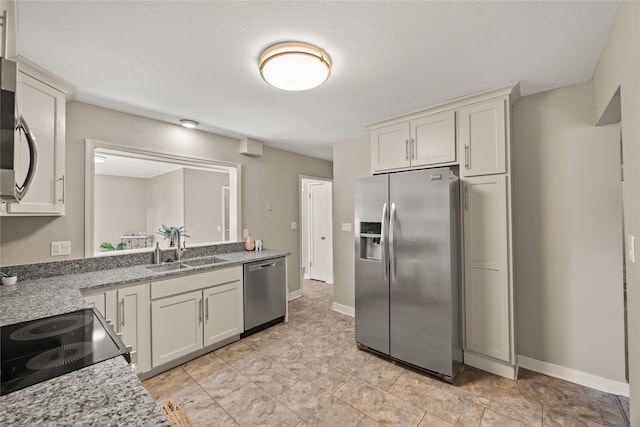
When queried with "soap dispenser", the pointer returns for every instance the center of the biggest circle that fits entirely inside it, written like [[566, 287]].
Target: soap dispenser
[[157, 254]]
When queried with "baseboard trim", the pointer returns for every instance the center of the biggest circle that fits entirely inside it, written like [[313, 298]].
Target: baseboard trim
[[343, 309], [295, 294], [495, 367], [574, 376]]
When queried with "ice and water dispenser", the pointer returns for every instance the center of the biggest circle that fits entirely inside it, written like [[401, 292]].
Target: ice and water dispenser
[[370, 234]]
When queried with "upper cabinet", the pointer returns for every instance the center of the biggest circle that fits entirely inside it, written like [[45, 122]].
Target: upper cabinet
[[43, 106], [422, 141], [482, 137], [472, 132]]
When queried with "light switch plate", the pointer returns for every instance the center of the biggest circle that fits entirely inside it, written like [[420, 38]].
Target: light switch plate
[[294, 225], [632, 251], [60, 248], [346, 226]]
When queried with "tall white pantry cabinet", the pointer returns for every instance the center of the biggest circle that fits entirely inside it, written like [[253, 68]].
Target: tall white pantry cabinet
[[473, 134]]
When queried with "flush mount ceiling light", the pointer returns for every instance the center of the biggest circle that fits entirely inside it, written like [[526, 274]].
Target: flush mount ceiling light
[[99, 159], [294, 66], [191, 124]]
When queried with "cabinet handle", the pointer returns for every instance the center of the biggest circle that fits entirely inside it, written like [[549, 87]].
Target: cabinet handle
[[206, 307], [61, 179], [200, 311], [466, 156], [406, 149], [122, 311], [414, 148], [466, 197]]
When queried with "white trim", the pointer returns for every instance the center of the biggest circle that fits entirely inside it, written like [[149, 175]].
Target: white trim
[[295, 294], [499, 368], [575, 376], [343, 309]]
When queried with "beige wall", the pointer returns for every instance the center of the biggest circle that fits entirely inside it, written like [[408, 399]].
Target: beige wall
[[165, 203], [203, 204], [351, 160], [120, 207], [273, 177], [619, 66], [567, 207]]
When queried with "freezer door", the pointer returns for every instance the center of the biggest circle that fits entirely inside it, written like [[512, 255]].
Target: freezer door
[[371, 263], [421, 285]]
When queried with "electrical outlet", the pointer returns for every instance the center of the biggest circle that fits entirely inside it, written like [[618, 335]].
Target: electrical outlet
[[632, 249], [346, 226], [245, 233], [60, 248], [294, 225], [219, 228]]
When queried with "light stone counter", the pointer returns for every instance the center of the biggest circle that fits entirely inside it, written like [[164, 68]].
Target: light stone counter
[[107, 393]]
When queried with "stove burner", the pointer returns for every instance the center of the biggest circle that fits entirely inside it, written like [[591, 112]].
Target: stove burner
[[51, 327], [60, 356]]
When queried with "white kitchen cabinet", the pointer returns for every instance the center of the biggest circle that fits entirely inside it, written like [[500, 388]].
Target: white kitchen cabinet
[[127, 309], [224, 316], [482, 138], [177, 327], [105, 303], [191, 312], [43, 108], [422, 141], [134, 324], [488, 288]]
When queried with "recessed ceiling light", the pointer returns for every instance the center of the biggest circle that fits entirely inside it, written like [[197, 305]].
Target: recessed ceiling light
[[294, 66], [99, 159], [189, 123]]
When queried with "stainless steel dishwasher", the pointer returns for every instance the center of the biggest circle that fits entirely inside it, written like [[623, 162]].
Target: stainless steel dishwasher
[[265, 299]]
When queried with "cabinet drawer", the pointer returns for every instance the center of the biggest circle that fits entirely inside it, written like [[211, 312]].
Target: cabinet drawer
[[196, 281]]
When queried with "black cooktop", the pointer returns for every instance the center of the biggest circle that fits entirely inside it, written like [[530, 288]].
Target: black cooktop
[[42, 349]]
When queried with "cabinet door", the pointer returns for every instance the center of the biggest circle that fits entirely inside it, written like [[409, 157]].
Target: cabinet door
[[177, 327], [223, 315], [106, 304], [486, 280], [482, 134], [390, 147], [134, 324], [43, 108], [433, 139]]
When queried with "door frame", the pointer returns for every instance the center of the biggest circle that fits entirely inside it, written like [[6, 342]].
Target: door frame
[[304, 181]]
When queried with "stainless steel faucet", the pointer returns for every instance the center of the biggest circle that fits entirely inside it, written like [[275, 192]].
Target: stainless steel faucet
[[179, 250]]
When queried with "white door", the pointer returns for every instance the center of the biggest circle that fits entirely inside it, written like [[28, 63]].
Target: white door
[[486, 281], [223, 315], [321, 246], [135, 324], [177, 327]]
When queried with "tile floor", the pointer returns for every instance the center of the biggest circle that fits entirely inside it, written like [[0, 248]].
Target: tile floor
[[308, 372]]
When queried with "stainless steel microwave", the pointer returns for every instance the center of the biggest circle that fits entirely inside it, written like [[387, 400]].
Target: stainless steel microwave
[[15, 133]]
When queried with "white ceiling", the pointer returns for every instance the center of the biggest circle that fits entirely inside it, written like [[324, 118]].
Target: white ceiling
[[176, 59]]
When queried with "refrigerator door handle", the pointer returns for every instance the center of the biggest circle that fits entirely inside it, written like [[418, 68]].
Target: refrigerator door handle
[[383, 241], [392, 258]]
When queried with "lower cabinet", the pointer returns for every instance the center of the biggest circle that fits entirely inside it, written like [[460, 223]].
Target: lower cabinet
[[191, 321], [488, 289], [127, 309]]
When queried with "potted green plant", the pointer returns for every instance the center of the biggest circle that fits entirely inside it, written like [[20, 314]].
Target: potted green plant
[[171, 233], [9, 278]]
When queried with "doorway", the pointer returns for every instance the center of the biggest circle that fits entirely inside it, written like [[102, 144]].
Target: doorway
[[316, 234]]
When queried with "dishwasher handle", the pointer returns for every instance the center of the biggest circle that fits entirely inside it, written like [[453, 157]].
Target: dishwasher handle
[[261, 266]]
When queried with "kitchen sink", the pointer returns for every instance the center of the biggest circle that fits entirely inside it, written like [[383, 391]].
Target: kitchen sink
[[167, 267], [203, 261]]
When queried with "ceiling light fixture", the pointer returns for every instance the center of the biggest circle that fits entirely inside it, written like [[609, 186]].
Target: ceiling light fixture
[[99, 159], [294, 66], [191, 124]]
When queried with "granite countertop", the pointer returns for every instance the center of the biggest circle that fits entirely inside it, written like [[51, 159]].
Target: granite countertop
[[107, 393]]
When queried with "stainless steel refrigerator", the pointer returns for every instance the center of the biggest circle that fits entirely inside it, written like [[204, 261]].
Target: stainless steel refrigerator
[[407, 272]]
